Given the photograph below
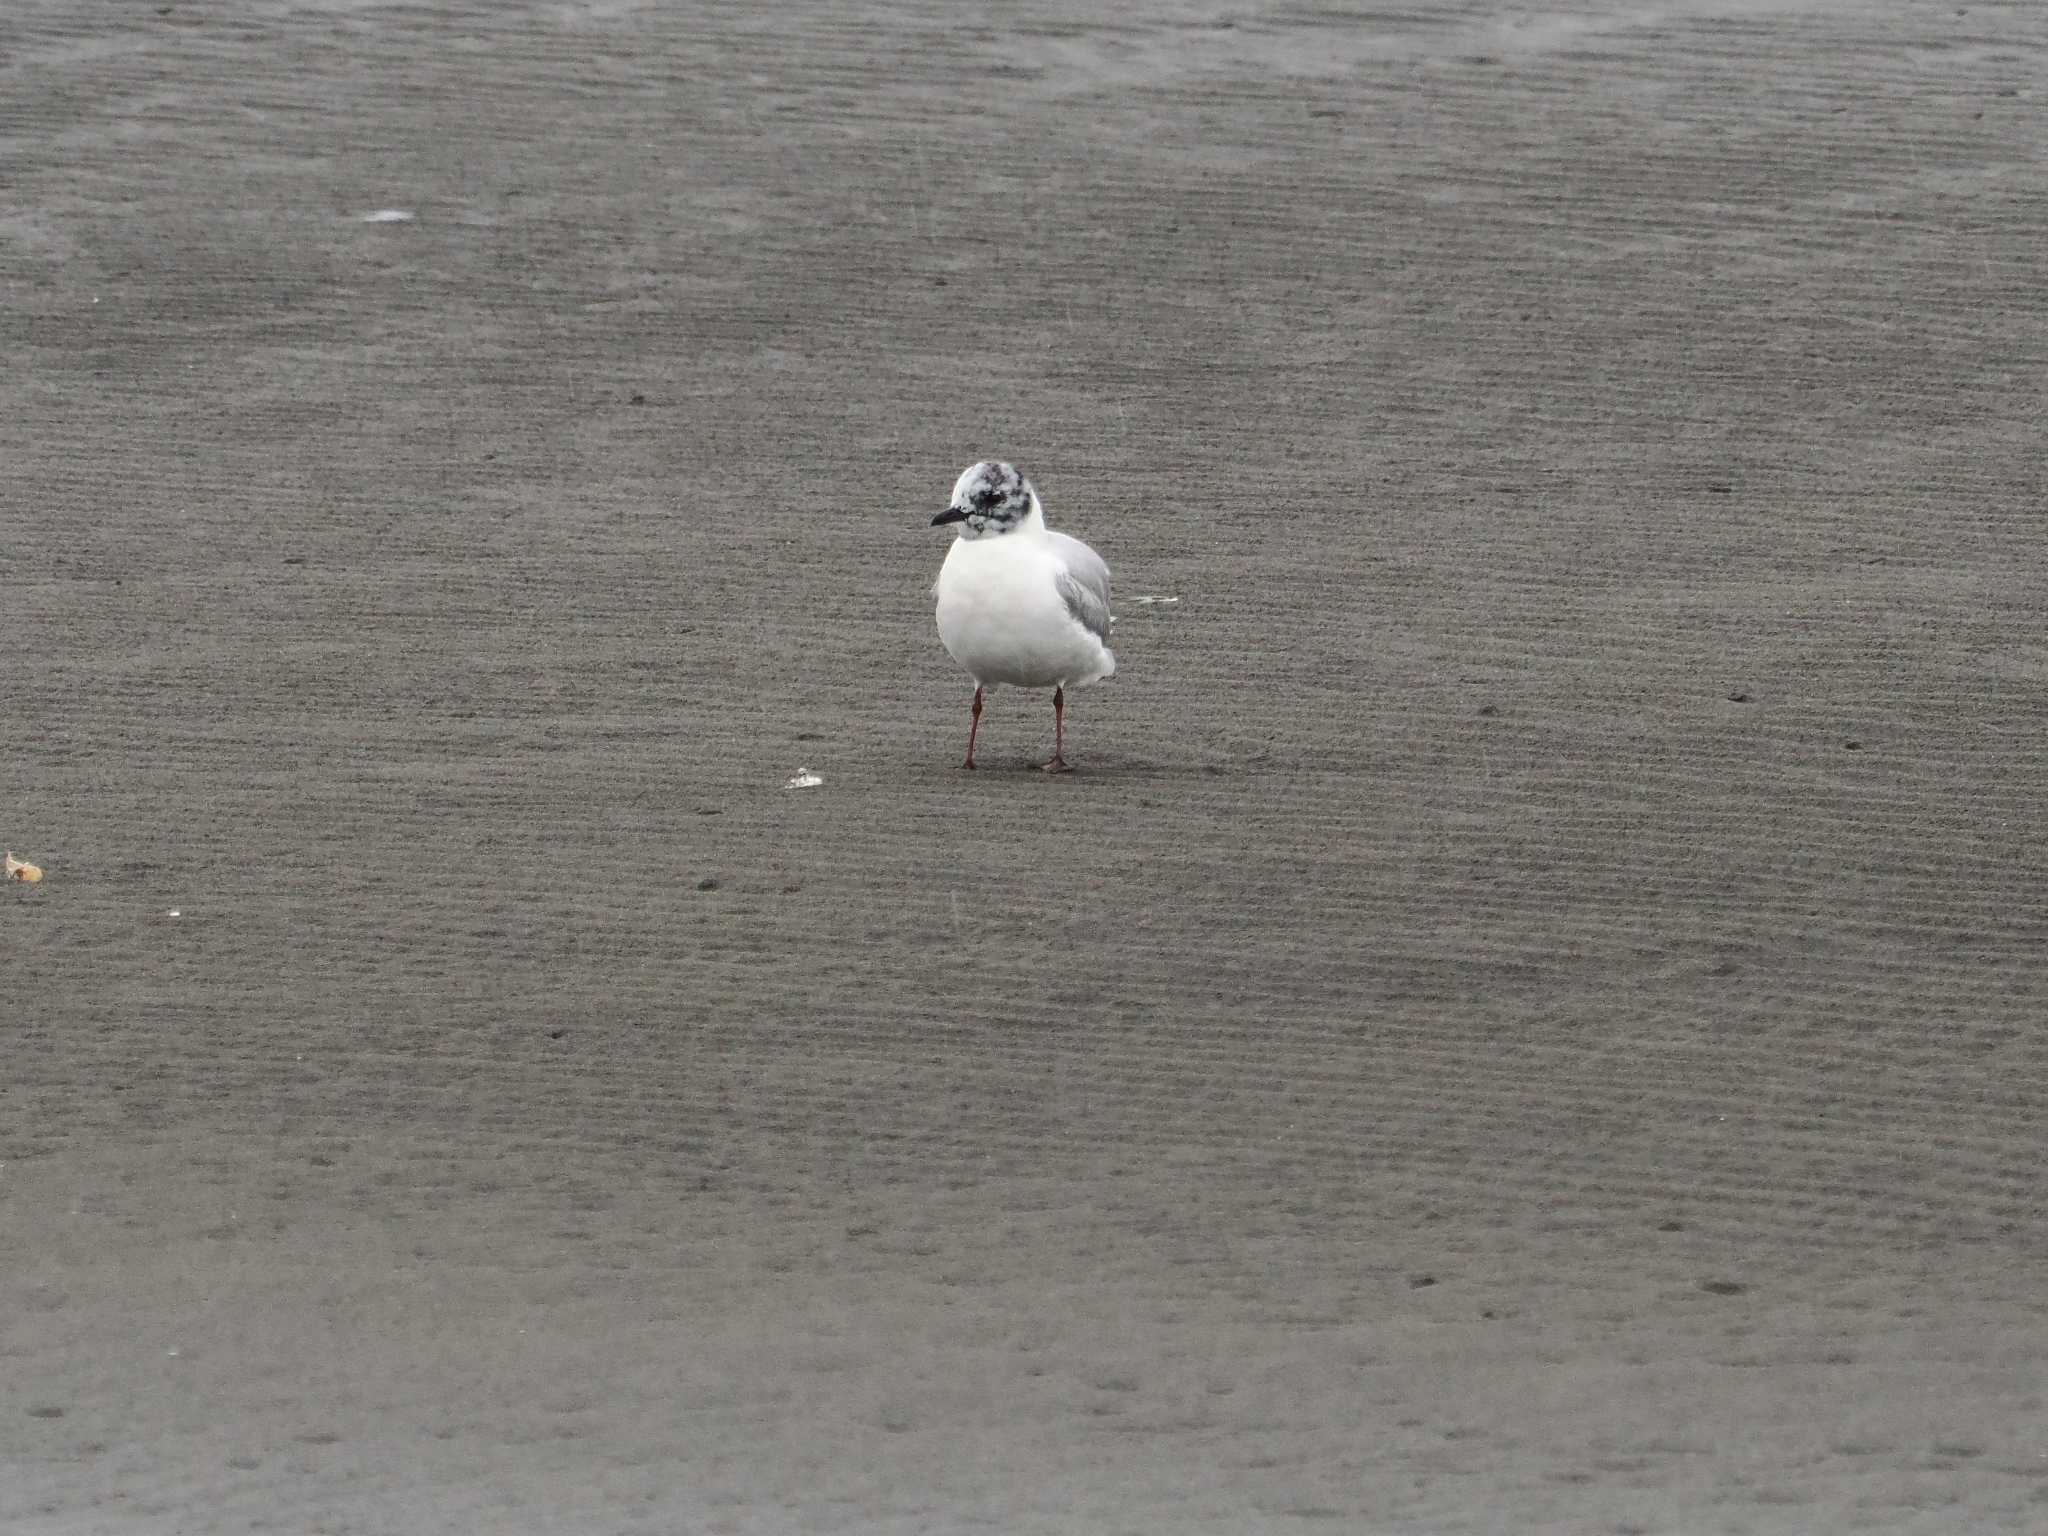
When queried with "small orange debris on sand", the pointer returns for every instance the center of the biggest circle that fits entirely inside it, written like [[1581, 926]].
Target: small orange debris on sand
[[16, 870]]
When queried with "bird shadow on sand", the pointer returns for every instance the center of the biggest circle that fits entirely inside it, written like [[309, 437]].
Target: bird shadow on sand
[[1136, 770]]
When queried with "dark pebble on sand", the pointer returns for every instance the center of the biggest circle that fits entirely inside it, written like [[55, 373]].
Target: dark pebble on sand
[[1723, 1287], [707, 885]]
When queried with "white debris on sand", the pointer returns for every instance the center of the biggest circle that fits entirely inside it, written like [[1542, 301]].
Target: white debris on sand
[[805, 779], [389, 216]]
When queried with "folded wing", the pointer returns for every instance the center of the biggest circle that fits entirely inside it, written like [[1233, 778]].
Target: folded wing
[[1083, 582]]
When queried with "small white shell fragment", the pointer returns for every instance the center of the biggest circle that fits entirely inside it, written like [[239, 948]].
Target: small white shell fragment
[[27, 873], [1150, 600], [805, 779], [389, 216], [174, 912]]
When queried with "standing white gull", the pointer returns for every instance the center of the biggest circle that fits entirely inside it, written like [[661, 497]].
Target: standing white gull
[[1019, 603]]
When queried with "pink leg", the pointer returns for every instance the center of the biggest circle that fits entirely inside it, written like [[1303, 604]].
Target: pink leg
[[1059, 723], [973, 728]]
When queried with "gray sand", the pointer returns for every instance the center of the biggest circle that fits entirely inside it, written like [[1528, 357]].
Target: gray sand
[[1529, 1017]]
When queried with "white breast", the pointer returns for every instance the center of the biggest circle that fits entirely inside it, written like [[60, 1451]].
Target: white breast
[[1002, 618]]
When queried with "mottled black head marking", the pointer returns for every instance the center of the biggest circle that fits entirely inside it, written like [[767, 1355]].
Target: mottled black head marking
[[991, 486], [989, 498]]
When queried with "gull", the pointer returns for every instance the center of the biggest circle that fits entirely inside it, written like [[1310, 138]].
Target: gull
[[1019, 603]]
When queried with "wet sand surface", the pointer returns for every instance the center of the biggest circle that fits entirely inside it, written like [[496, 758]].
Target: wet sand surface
[[1528, 1018]]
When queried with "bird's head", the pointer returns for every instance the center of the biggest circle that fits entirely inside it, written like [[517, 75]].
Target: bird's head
[[989, 498]]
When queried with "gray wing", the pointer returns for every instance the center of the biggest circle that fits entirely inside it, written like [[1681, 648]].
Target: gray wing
[[1084, 584]]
